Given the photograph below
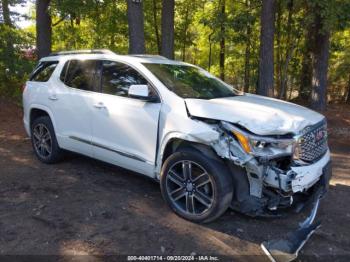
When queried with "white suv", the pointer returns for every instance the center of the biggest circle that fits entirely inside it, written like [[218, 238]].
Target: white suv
[[210, 146]]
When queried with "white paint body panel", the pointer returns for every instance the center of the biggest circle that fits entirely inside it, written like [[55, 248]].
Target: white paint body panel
[[261, 115], [126, 126], [140, 129], [307, 176]]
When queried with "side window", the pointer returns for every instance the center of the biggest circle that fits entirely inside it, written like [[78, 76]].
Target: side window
[[81, 74], [118, 77], [43, 71], [64, 72]]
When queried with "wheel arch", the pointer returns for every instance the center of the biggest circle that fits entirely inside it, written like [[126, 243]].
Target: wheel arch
[[36, 111], [176, 144], [175, 141]]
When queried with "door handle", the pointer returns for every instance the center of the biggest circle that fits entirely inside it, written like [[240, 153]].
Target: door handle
[[53, 97], [99, 105]]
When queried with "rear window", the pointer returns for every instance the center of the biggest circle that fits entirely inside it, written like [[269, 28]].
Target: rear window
[[80, 74], [64, 72], [43, 71]]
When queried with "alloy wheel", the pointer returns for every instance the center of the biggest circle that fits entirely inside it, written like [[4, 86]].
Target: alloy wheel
[[190, 188], [42, 141]]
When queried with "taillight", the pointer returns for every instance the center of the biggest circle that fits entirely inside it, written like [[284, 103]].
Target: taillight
[[23, 87]]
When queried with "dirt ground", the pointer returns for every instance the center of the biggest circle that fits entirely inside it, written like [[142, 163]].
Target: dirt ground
[[85, 207]]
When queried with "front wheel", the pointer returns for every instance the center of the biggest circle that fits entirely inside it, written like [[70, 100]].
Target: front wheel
[[197, 188]]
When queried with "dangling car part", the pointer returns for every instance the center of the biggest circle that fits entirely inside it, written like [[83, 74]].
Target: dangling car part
[[286, 249]]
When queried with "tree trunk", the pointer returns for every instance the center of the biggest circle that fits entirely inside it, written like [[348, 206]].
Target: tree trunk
[[168, 13], [10, 50], [184, 40], [320, 59], [306, 68], [279, 51], [97, 25], [347, 100], [266, 61], [155, 23], [289, 52], [284, 83], [247, 53], [6, 12], [210, 51], [222, 40], [136, 27], [43, 28]]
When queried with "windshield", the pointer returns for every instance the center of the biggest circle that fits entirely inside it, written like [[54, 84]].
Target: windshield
[[191, 82]]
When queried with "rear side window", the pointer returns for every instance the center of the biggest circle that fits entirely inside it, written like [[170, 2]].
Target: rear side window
[[80, 74], [43, 71], [64, 72]]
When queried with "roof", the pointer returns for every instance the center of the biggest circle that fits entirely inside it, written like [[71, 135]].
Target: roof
[[81, 52], [107, 54]]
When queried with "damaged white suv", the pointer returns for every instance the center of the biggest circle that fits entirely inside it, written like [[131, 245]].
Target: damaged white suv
[[210, 146]]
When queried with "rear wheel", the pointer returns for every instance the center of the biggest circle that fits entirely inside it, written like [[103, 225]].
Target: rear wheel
[[195, 187], [44, 141]]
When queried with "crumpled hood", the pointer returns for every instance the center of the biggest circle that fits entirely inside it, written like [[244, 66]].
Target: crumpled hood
[[261, 115]]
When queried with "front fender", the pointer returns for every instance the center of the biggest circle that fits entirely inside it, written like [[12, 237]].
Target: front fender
[[205, 138]]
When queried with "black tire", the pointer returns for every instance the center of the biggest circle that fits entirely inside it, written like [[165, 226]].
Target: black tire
[[51, 153], [219, 188]]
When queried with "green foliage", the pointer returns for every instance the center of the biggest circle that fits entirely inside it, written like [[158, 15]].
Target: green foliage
[[89, 24], [103, 24], [14, 68]]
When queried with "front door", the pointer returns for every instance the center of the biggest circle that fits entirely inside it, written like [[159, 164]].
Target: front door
[[124, 129]]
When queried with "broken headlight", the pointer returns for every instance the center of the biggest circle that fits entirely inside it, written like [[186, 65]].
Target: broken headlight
[[261, 146], [269, 147]]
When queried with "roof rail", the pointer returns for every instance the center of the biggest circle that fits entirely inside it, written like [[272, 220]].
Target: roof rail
[[149, 56], [80, 52]]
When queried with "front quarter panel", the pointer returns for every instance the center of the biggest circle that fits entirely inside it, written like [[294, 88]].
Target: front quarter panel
[[176, 123]]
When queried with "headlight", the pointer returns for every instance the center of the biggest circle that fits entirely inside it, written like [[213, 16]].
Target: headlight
[[262, 146], [243, 140], [296, 150]]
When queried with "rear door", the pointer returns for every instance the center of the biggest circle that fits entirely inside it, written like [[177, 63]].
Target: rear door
[[38, 88], [124, 129], [73, 100], [39, 82]]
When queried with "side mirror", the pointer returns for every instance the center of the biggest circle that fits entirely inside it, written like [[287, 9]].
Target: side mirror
[[141, 92]]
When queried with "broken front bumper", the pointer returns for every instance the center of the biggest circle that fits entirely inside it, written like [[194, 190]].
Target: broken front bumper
[[307, 176], [275, 191], [296, 178], [287, 248]]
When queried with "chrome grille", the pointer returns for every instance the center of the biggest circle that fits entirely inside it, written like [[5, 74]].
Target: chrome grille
[[313, 142]]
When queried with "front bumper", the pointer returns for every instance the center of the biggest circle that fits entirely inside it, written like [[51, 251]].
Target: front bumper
[[296, 178], [307, 176], [281, 191], [286, 248]]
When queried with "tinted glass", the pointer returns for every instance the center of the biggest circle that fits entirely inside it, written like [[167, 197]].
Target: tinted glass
[[81, 74], [118, 77], [43, 71], [191, 82], [64, 72]]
